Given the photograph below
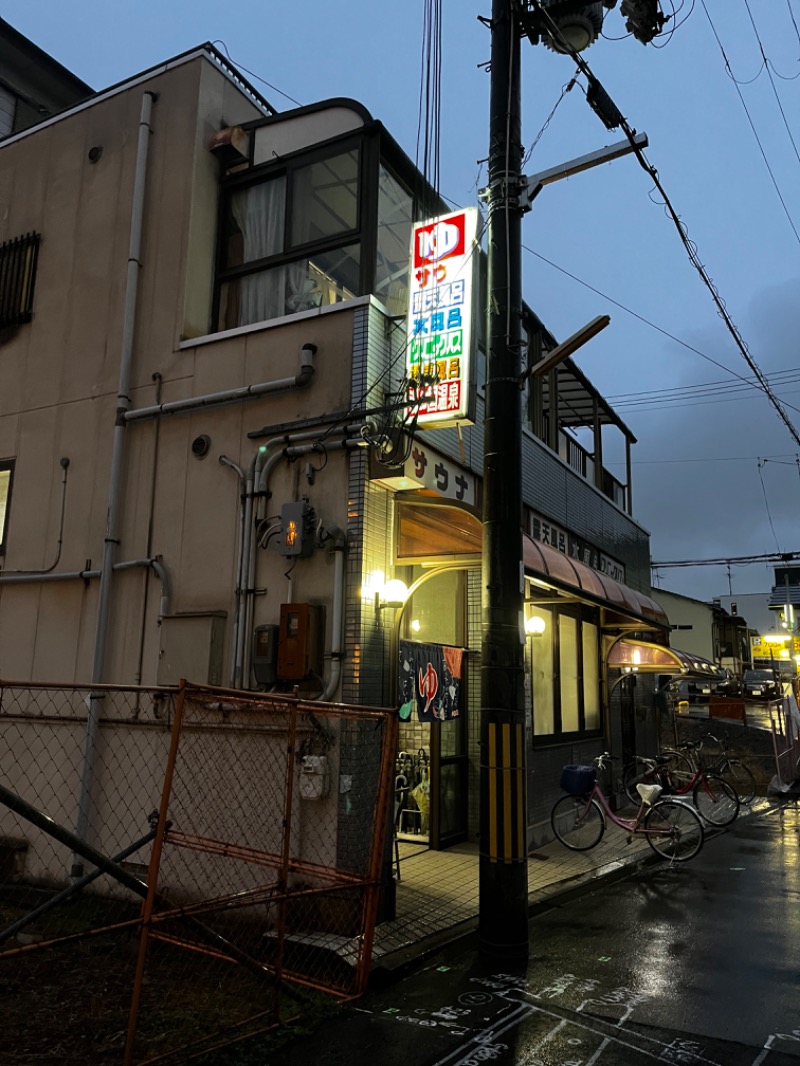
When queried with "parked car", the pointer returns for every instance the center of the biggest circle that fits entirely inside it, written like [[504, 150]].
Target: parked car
[[699, 690], [729, 685], [762, 684]]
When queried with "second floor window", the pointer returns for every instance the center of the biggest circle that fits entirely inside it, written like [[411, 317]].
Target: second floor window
[[17, 276], [291, 240]]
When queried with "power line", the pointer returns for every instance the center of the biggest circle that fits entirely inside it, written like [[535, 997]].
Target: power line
[[734, 560]]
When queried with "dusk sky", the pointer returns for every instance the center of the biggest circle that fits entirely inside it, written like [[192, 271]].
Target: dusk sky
[[716, 472]]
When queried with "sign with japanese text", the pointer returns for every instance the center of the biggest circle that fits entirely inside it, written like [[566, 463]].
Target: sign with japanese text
[[440, 474], [547, 532], [440, 312]]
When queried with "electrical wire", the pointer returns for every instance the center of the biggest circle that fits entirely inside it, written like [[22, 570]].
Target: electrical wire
[[641, 318], [254, 75], [752, 126], [761, 463]]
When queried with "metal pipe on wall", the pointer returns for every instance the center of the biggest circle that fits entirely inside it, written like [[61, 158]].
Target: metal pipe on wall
[[116, 485]]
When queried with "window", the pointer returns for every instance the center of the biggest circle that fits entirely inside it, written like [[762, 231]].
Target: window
[[17, 277], [564, 656], [6, 477], [291, 240], [395, 212]]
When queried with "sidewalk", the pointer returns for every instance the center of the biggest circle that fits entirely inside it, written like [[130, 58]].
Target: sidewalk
[[437, 895]]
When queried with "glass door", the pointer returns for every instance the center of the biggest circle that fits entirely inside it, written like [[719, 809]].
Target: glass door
[[433, 626]]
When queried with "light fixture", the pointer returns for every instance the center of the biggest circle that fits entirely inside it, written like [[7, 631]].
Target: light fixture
[[415, 625], [393, 594], [534, 625]]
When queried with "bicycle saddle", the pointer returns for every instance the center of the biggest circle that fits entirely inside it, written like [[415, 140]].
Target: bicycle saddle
[[649, 793]]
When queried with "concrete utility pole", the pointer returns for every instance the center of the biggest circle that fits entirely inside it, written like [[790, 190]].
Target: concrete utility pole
[[569, 27], [503, 870]]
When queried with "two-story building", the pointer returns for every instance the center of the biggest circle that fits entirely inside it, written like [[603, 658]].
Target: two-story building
[[212, 460]]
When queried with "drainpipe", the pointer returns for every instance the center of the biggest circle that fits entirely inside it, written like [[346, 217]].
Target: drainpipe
[[293, 451], [254, 484], [155, 564], [115, 488], [339, 547], [214, 399]]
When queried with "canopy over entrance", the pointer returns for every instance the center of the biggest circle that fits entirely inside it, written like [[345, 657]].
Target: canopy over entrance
[[639, 656], [623, 604]]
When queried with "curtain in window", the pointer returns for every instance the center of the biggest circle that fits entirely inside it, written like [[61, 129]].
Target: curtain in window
[[259, 213]]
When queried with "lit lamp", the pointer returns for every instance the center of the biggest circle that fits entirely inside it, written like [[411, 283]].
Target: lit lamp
[[393, 594], [534, 626]]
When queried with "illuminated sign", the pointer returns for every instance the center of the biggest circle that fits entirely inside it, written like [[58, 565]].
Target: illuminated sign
[[440, 310]]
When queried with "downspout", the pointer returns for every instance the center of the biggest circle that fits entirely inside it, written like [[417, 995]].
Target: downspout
[[339, 547], [225, 461], [156, 565], [214, 399], [254, 487], [115, 488], [261, 488]]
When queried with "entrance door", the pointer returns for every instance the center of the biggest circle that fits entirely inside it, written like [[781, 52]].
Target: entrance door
[[449, 769]]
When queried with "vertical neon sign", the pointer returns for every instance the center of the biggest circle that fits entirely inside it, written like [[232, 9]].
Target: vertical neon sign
[[439, 359]]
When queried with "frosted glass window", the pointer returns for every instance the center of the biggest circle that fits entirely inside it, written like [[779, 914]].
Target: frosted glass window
[[568, 671], [541, 651], [591, 677]]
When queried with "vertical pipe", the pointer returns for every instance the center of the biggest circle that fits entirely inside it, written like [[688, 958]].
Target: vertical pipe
[[115, 485], [503, 868]]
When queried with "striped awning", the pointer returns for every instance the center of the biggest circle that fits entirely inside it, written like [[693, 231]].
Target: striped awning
[[567, 574]]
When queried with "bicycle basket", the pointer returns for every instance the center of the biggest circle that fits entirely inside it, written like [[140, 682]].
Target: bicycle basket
[[578, 780]]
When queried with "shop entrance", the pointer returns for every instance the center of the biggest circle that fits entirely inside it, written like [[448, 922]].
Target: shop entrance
[[431, 783], [432, 766]]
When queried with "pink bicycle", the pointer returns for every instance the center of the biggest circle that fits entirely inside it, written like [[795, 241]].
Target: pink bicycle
[[673, 829]]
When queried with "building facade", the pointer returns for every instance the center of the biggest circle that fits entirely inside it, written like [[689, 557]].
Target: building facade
[[210, 457]]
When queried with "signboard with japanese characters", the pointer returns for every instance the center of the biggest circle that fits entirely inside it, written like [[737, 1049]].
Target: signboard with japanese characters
[[439, 360], [440, 474], [547, 532]]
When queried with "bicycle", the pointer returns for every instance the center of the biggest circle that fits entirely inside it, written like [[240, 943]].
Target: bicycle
[[716, 800], [737, 774], [672, 828]]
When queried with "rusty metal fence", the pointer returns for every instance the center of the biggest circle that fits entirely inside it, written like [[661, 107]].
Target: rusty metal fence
[[228, 871]]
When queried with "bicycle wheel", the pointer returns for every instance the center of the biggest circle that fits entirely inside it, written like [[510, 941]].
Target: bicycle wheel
[[638, 772], [578, 823], [675, 831], [681, 767], [741, 780], [716, 801]]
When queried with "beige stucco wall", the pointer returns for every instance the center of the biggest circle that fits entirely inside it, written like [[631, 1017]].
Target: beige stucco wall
[[59, 382]]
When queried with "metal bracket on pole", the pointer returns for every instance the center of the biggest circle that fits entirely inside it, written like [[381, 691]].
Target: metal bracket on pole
[[533, 185]]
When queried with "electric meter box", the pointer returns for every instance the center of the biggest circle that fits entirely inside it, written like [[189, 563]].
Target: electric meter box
[[265, 654], [300, 641]]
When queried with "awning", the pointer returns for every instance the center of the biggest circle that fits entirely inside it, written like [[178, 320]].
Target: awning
[[640, 656], [556, 568]]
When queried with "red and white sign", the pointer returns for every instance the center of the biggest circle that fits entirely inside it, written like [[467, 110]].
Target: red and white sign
[[439, 357]]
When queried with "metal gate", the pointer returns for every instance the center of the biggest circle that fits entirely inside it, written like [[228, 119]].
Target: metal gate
[[233, 853]]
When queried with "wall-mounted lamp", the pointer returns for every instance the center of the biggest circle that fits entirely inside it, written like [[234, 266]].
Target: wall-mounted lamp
[[534, 626], [391, 593]]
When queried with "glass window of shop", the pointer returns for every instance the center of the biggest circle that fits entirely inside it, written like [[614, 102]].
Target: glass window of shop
[[564, 660]]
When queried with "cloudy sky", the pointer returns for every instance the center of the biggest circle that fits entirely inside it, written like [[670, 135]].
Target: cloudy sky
[[716, 472]]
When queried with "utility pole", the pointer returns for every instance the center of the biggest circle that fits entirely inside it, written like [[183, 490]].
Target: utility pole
[[503, 870], [568, 27]]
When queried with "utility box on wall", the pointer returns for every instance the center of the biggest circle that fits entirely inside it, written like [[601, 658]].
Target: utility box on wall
[[192, 647], [300, 641]]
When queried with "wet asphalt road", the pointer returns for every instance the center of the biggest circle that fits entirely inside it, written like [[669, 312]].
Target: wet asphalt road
[[696, 963]]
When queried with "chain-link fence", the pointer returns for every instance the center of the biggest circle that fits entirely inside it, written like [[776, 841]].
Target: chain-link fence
[[229, 849]]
